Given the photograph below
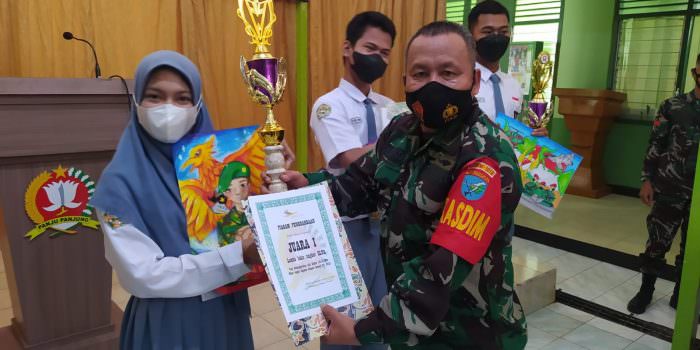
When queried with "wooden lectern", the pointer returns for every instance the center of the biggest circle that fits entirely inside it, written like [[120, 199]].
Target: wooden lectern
[[588, 115], [60, 286]]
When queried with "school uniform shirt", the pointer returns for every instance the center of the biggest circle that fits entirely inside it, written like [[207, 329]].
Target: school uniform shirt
[[145, 272], [510, 92], [339, 120]]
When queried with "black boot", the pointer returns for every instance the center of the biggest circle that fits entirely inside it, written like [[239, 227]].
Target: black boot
[[679, 272], [674, 297], [639, 303]]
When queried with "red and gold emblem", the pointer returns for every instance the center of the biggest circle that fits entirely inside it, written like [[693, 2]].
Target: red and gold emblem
[[58, 200]]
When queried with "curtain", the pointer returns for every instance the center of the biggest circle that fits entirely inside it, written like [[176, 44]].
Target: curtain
[[207, 31], [327, 22]]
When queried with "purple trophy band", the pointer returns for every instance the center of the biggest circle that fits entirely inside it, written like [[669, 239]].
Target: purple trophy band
[[268, 68], [539, 108]]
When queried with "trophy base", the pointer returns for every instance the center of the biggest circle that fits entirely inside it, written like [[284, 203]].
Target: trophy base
[[274, 162]]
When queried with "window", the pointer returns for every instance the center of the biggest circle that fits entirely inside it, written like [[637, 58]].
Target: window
[[651, 54], [455, 11], [538, 20]]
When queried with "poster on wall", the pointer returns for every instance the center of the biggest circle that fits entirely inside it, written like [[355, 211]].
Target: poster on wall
[[546, 166], [520, 59]]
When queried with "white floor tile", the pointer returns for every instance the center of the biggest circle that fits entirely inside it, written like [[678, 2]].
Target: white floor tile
[[595, 339], [647, 342], [597, 280], [570, 264], [570, 312], [618, 297], [519, 243], [543, 252], [615, 328], [561, 344], [553, 323], [659, 312], [536, 339]]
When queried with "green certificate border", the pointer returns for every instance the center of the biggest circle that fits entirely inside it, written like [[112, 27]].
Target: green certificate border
[[316, 197]]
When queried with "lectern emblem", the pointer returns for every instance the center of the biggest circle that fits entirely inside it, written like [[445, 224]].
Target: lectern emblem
[[58, 201]]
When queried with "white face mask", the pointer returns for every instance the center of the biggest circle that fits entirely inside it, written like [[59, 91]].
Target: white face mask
[[167, 123]]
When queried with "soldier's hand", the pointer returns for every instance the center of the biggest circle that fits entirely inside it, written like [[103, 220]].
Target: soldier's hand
[[646, 193], [293, 179], [341, 328], [250, 252]]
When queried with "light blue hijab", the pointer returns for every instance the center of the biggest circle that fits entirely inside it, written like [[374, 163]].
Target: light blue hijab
[[139, 186]]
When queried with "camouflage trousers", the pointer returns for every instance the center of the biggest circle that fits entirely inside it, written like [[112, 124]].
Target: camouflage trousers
[[668, 214]]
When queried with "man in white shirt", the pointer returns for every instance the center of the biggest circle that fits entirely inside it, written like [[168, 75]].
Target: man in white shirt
[[347, 122], [499, 92]]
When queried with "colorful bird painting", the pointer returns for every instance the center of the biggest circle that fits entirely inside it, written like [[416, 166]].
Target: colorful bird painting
[[199, 194]]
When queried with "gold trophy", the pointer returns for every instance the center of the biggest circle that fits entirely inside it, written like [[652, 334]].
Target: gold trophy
[[539, 113], [265, 77]]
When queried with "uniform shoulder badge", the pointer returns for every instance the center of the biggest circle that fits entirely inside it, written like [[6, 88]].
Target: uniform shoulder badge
[[472, 212], [323, 111], [58, 200]]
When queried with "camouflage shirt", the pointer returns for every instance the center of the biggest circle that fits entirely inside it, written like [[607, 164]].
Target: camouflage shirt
[[424, 187], [673, 146]]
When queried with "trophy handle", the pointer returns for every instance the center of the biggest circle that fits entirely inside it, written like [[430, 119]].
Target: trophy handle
[[281, 79]]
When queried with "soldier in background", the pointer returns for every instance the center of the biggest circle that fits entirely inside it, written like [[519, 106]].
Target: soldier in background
[[668, 174]]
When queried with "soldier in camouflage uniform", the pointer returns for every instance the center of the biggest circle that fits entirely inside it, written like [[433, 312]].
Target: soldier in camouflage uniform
[[668, 174], [446, 183]]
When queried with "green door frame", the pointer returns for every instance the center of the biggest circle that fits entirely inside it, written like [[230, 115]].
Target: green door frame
[[687, 312], [302, 86]]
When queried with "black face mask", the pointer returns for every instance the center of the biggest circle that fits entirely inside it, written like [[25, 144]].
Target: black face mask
[[492, 47], [368, 67], [436, 104]]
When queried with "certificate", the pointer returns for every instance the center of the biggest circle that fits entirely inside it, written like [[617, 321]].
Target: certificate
[[300, 242]]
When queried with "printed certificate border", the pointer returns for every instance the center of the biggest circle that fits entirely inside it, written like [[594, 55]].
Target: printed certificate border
[[295, 308]]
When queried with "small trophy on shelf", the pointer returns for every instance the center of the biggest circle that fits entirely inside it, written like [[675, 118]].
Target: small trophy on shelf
[[540, 111], [265, 77]]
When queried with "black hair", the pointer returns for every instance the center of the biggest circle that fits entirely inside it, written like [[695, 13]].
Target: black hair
[[444, 27], [486, 7], [358, 25], [697, 61]]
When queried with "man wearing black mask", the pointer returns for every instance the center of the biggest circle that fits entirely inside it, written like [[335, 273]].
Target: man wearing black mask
[[500, 92], [446, 183], [346, 123]]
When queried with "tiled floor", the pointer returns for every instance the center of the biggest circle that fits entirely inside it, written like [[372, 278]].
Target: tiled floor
[[554, 327], [600, 282], [614, 221], [559, 327]]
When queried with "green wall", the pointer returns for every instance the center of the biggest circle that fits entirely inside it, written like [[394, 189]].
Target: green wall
[[584, 62]]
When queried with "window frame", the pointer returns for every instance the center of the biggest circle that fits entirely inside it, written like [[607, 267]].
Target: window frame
[[689, 14]]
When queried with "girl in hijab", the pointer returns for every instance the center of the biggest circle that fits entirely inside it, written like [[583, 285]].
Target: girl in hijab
[[138, 204]]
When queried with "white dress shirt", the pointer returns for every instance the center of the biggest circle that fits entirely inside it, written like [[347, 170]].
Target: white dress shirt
[[341, 124], [510, 92], [145, 272]]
